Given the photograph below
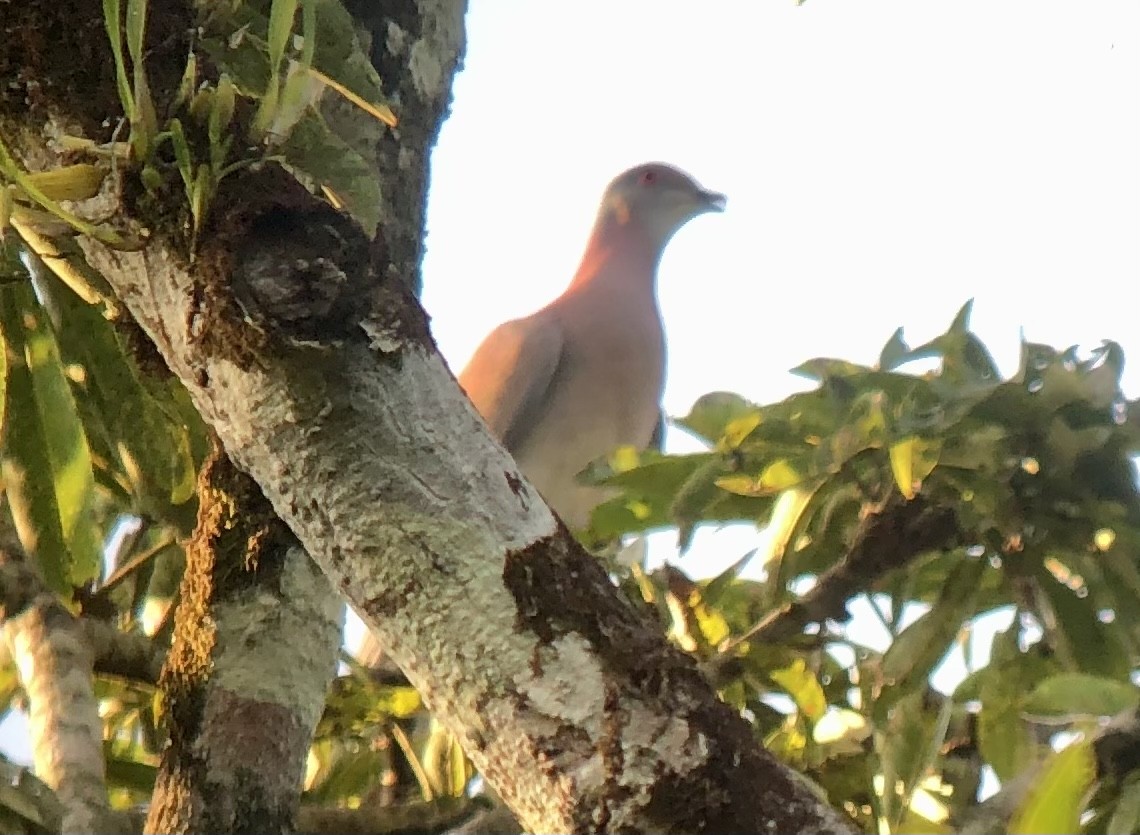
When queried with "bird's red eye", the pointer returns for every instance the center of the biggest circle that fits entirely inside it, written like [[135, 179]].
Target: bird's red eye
[[648, 178]]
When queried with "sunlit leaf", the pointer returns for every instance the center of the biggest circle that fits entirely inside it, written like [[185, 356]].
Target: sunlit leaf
[[46, 460], [1054, 802], [912, 460], [146, 436], [802, 685], [713, 412]]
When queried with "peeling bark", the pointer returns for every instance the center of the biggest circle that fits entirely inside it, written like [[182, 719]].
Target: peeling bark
[[255, 643], [55, 663]]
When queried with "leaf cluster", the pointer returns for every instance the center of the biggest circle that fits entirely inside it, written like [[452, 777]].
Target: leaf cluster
[[1035, 474]]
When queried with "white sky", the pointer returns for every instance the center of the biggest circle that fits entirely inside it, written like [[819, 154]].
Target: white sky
[[884, 161]]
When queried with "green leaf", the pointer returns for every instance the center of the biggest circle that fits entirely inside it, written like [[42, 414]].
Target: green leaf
[[905, 743], [313, 148], [713, 412], [182, 157], [776, 477], [1056, 799], [144, 119], [221, 111], [281, 16], [1081, 693], [46, 460], [912, 460], [1096, 647], [188, 84], [894, 353], [148, 437], [802, 685], [340, 54], [961, 323], [822, 368], [1126, 815], [308, 32], [12, 171], [112, 19], [1003, 738], [3, 389], [136, 29], [919, 647], [966, 364], [694, 495]]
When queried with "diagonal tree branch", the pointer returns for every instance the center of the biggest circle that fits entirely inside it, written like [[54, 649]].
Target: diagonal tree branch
[[571, 704], [886, 540]]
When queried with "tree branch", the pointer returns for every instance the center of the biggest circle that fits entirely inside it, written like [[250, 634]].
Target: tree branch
[[255, 644], [885, 541], [55, 665], [130, 655], [571, 704]]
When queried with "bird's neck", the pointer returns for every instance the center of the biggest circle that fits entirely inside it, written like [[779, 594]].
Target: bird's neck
[[619, 255]]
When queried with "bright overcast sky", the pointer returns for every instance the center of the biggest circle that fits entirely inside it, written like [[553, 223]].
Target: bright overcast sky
[[884, 162]]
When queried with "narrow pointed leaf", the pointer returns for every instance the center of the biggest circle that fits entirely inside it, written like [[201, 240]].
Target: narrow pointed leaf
[[46, 461], [1055, 802]]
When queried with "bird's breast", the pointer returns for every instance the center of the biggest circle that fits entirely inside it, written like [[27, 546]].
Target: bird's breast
[[607, 394]]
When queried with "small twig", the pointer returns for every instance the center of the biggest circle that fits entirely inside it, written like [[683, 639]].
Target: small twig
[[885, 541]]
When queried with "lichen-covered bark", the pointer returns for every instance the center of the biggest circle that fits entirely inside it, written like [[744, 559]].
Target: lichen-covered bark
[[416, 47], [254, 650], [54, 662], [569, 701]]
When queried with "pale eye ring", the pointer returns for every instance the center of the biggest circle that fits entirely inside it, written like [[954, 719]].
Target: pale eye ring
[[647, 178]]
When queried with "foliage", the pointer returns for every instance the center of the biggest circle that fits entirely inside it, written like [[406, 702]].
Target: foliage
[[1035, 473], [256, 55]]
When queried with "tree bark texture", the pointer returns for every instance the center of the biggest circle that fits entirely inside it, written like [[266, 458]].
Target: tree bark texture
[[417, 47], [54, 662], [566, 696], [255, 646]]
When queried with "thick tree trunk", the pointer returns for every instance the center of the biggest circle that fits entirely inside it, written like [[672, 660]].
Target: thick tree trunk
[[571, 703], [568, 700]]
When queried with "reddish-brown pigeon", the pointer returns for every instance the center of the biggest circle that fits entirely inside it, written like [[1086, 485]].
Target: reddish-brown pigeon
[[584, 375]]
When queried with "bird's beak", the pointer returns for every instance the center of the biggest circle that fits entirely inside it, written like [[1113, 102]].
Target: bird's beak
[[713, 201]]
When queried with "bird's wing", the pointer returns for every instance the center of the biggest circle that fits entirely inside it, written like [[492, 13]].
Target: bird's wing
[[511, 374]]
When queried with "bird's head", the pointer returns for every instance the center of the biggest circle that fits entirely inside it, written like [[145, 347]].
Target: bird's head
[[658, 199]]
